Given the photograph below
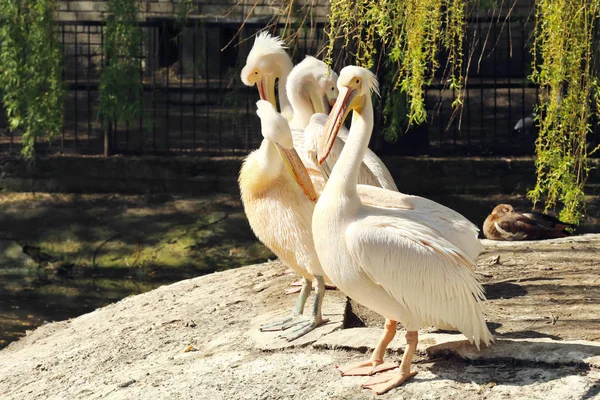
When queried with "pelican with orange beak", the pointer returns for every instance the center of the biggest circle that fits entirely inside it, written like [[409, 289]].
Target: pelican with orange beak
[[406, 257], [304, 90]]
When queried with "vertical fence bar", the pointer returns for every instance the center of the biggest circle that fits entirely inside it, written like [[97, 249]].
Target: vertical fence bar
[[220, 99], [246, 131], [76, 83], [523, 69], [155, 38], [508, 71], [62, 133], [466, 91], [481, 98], [194, 85], [143, 89], [98, 91], [454, 123], [441, 121], [180, 57], [303, 45], [207, 93], [495, 50], [89, 85], [166, 40], [126, 136], [468, 101]]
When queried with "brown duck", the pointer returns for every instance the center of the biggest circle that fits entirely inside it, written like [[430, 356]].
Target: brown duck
[[504, 223]]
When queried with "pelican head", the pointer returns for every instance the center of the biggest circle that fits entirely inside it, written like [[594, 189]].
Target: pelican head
[[312, 78], [266, 62], [355, 86], [275, 128]]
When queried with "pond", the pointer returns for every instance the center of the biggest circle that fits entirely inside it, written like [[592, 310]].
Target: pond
[[31, 297], [65, 255]]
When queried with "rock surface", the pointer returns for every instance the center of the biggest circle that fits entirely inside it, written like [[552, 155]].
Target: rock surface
[[196, 339]]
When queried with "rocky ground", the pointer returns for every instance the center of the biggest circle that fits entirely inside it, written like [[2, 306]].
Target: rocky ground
[[198, 339]]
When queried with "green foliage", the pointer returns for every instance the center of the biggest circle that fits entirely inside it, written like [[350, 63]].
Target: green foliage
[[184, 8], [30, 70], [411, 33], [395, 120], [563, 67], [120, 81]]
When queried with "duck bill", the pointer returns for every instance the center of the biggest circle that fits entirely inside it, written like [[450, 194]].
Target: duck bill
[[336, 119], [266, 90], [295, 166]]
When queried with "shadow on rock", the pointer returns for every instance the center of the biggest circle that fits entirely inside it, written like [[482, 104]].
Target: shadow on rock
[[501, 361], [503, 290]]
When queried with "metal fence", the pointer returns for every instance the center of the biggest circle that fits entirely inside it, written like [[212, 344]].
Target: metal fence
[[194, 102]]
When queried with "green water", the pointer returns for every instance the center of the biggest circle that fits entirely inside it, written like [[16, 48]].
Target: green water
[[65, 255]]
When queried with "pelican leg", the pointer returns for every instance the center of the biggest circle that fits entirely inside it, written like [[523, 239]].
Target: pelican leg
[[296, 286], [384, 382], [375, 364], [296, 313], [307, 324]]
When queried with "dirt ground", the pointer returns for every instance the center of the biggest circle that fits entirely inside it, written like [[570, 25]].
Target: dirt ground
[[543, 289], [196, 338], [537, 289], [193, 339]]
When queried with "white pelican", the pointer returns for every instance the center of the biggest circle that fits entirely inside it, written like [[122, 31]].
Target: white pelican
[[303, 90], [406, 257], [311, 88], [267, 62], [279, 199]]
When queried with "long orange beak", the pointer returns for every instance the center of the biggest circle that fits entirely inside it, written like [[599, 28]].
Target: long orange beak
[[298, 170], [334, 122], [266, 90]]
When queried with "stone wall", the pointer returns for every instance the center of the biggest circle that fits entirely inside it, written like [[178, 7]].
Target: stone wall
[[472, 186], [195, 175], [229, 10]]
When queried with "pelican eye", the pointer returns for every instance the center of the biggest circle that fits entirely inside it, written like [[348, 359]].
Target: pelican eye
[[357, 81], [255, 72]]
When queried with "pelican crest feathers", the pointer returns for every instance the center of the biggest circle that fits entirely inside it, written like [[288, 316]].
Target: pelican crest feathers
[[264, 44], [369, 77]]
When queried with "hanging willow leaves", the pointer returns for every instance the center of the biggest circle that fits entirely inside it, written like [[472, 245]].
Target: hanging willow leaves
[[120, 80], [30, 70], [411, 32], [563, 67]]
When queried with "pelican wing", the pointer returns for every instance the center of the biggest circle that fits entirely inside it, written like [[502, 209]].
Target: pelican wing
[[298, 139], [381, 198], [446, 222], [422, 271], [372, 172], [378, 168]]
